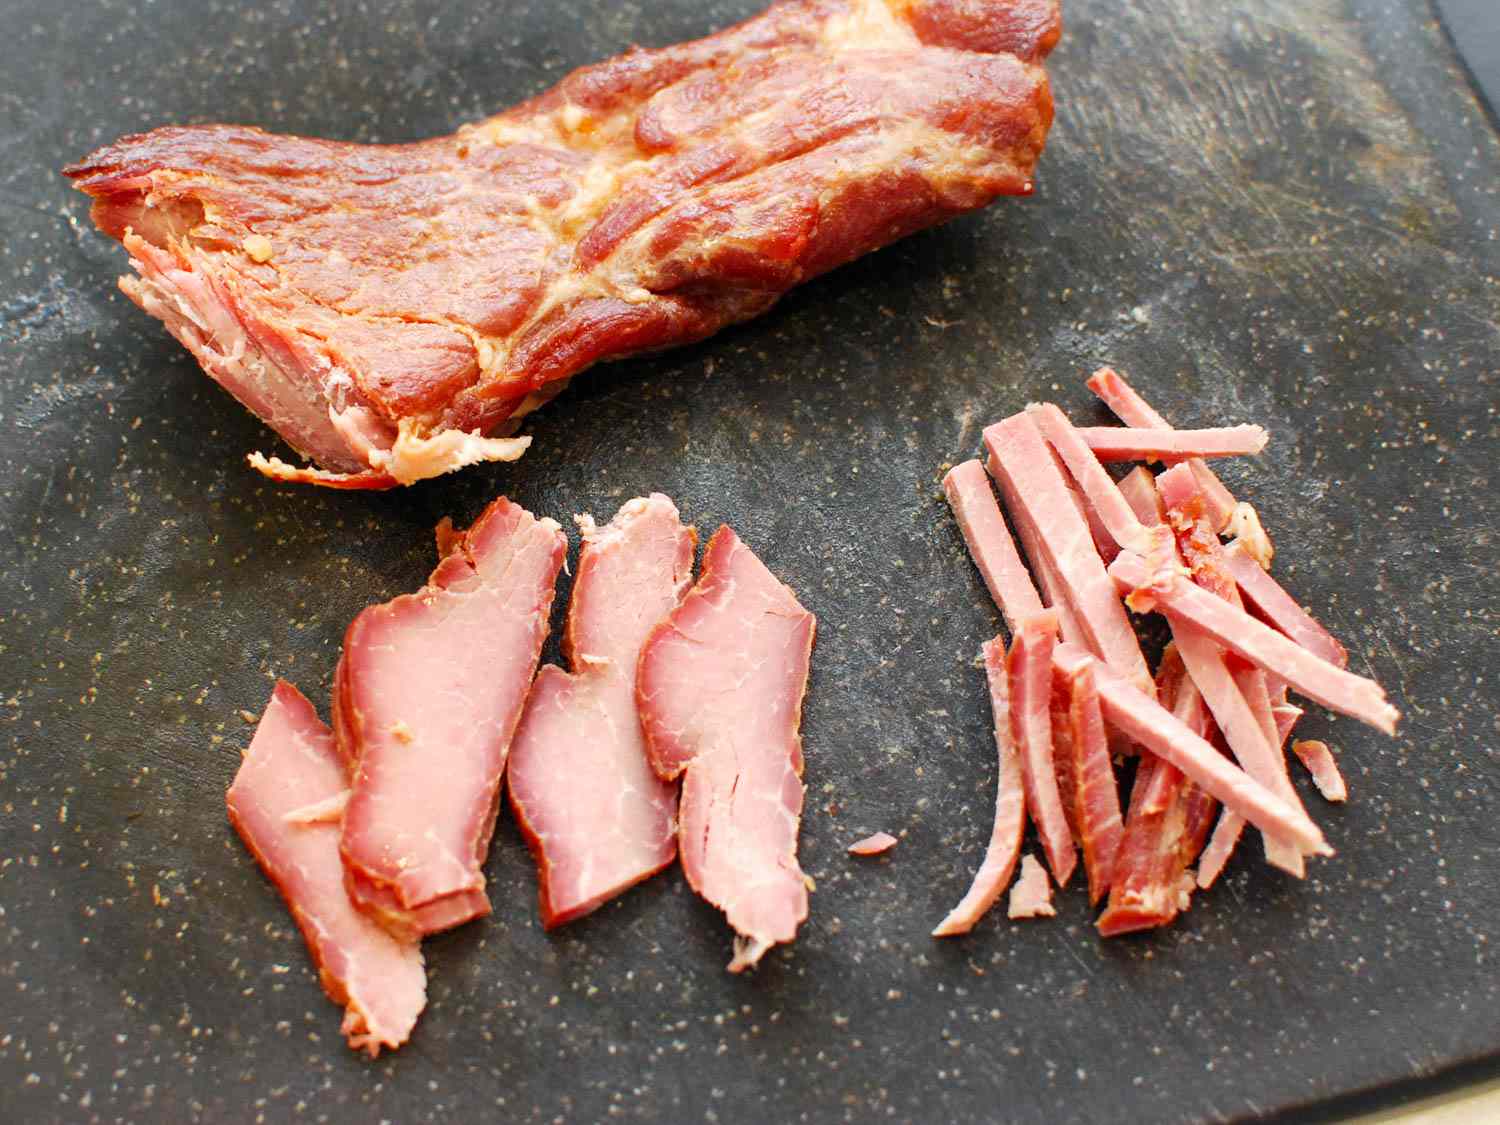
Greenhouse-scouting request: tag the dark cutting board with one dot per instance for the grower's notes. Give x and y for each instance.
(1279, 211)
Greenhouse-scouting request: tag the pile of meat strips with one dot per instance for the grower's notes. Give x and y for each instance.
(376, 830)
(1074, 691)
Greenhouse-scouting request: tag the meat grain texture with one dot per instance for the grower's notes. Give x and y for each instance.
(597, 818)
(386, 307)
(720, 688)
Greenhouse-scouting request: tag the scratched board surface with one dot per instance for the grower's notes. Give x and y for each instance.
(1280, 211)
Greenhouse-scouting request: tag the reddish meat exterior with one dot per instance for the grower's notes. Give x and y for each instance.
(426, 699)
(878, 844)
(292, 764)
(719, 688)
(596, 816)
(385, 306)
(1096, 793)
(1004, 847)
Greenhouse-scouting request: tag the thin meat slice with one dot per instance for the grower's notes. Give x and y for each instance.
(427, 695)
(1139, 716)
(1124, 443)
(719, 688)
(596, 817)
(1279, 608)
(877, 844)
(1029, 667)
(1097, 795)
(990, 545)
(1036, 493)
(386, 307)
(1254, 641)
(1112, 389)
(1031, 897)
(292, 765)
(1325, 771)
(1010, 808)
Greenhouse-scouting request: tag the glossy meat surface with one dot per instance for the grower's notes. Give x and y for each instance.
(384, 307)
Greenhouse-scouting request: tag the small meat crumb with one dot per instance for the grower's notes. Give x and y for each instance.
(258, 246)
(1031, 897)
(873, 845)
(1245, 526)
(400, 731)
(1319, 760)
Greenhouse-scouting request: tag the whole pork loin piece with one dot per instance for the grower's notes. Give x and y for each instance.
(385, 308)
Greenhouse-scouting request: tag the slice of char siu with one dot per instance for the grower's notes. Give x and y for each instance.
(293, 766)
(426, 699)
(1004, 847)
(596, 816)
(720, 686)
(393, 310)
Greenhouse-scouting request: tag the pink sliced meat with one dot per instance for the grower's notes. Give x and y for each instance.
(1325, 771)
(1029, 666)
(1279, 608)
(1124, 443)
(1140, 717)
(1097, 794)
(877, 844)
(1168, 820)
(1036, 493)
(719, 689)
(1238, 698)
(1139, 489)
(596, 816)
(990, 545)
(427, 695)
(1010, 809)
(1099, 488)
(1112, 389)
(1254, 641)
(1031, 897)
(292, 766)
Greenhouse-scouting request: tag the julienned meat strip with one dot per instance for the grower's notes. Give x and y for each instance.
(719, 688)
(990, 545)
(1096, 793)
(1010, 807)
(1036, 494)
(1168, 819)
(1102, 494)
(1325, 771)
(426, 698)
(385, 306)
(293, 766)
(1279, 608)
(1237, 697)
(1254, 641)
(1029, 666)
(1112, 389)
(1117, 443)
(597, 818)
(1139, 716)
